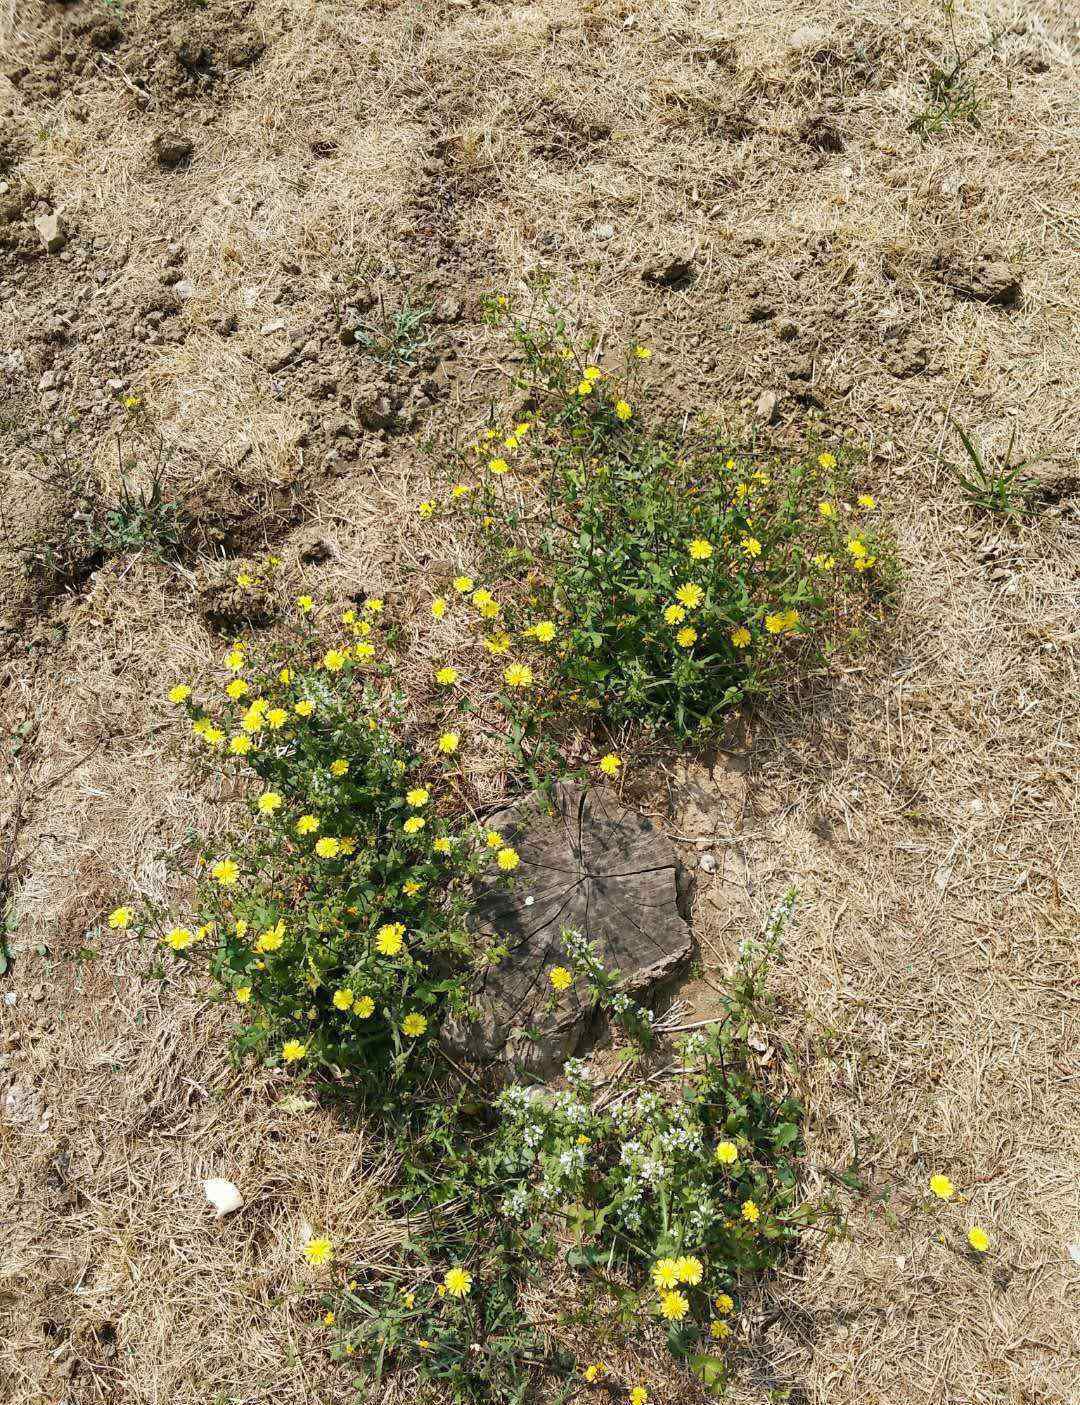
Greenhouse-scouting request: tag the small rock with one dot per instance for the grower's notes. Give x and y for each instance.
(172, 150)
(223, 1195)
(707, 863)
(51, 232)
(766, 407)
(269, 328)
(603, 231)
(184, 289)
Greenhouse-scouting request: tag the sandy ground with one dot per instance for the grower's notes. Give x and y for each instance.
(923, 799)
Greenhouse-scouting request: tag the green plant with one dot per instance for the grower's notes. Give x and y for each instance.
(400, 336)
(952, 96)
(665, 573)
(141, 518)
(1001, 489)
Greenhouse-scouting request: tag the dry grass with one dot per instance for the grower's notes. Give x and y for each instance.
(924, 802)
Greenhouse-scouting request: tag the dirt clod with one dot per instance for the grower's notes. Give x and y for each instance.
(172, 150)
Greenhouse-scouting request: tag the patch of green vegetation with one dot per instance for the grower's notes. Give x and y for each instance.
(998, 488)
(399, 336)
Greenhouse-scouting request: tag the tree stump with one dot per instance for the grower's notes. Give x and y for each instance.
(588, 864)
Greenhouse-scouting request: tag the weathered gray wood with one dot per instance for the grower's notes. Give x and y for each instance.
(589, 864)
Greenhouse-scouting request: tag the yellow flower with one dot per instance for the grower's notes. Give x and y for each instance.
(699, 549)
(304, 603)
(482, 597)
(340, 767)
(507, 859)
(622, 410)
(584, 387)
(497, 643)
(327, 848)
(374, 605)
(343, 999)
(689, 595)
(827, 460)
(719, 1330)
(438, 607)
(674, 1307)
(750, 1212)
(727, 1153)
(318, 1252)
(448, 743)
(458, 1282)
(864, 563)
(364, 1008)
(856, 547)
(826, 509)
(329, 1320)
(740, 637)
(413, 1025)
(417, 797)
(544, 631)
(665, 1274)
(942, 1187)
(783, 622)
(426, 509)
(446, 676)
(865, 500)
(459, 490)
(180, 693)
(390, 937)
(518, 675)
(293, 1050)
(723, 1302)
(411, 887)
(751, 546)
(304, 708)
(333, 660)
(243, 580)
(225, 872)
(610, 764)
(236, 689)
(690, 1270)
(560, 978)
(642, 353)
(179, 938)
(824, 562)
(307, 824)
(494, 839)
(674, 614)
(268, 802)
(240, 745)
(414, 824)
(686, 637)
(978, 1239)
(243, 994)
(639, 1395)
(441, 846)
(463, 584)
(595, 1371)
(364, 651)
(490, 610)
(271, 939)
(499, 466)
(119, 918)
(277, 717)
(592, 373)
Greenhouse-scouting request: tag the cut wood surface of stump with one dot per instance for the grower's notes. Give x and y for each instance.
(590, 865)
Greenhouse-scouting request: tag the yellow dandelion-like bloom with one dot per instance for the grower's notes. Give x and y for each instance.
(293, 1050)
(458, 1282)
(723, 1302)
(727, 1153)
(610, 764)
(740, 637)
(544, 631)
(438, 607)
(827, 460)
(686, 637)
(236, 689)
(518, 675)
(978, 1239)
(442, 846)
(751, 546)
(459, 490)
(225, 872)
(700, 549)
(364, 1008)
(823, 561)
(674, 1307)
(304, 603)
(447, 675)
(499, 466)
(865, 500)
(417, 797)
(180, 938)
(120, 918)
(463, 584)
(864, 563)
(585, 387)
(560, 978)
(413, 1025)
(242, 994)
(623, 411)
(390, 938)
(339, 768)
(690, 1270)
(593, 373)
(268, 802)
(318, 1252)
(665, 1274)
(690, 595)
(750, 1212)
(674, 614)
(639, 1395)
(507, 859)
(277, 717)
(642, 353)
(234, 660)
(497, 643)
(240, 745)
(595, 1371)
(942, 1187)
(304, 708)
(414, 824)
(448, 743)
(856, 547)
(180, 693)
(343, 999)
(333, 660)
(827, 509)
(327, 847)
(719, 1330)
(426, 510)
(494, 839)
(307, 824)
